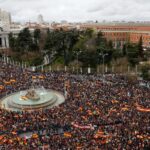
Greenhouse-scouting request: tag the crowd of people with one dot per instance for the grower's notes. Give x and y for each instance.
(111, 113)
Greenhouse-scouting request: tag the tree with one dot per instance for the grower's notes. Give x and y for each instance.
(124, 50)
(99, 38)
(89, 32)
(110, 44)
(24, 41)
(36, 35)
(146, 72)
(102, 44)
(62, 42)
(68, 40)
(49, 40)
(117, 53)
(12, 41)
(132, 54)
(140, 47)
(88, 58)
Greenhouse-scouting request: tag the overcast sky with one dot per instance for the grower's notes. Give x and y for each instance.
(78, 10)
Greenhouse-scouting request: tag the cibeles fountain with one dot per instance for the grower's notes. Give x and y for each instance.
(32, 99)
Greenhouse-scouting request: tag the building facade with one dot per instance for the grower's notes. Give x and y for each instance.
(5, 20)
(120, 34)
(5, 23)
(4, 39)
(40, 19)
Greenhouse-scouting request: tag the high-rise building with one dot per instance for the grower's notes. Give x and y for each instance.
(40, 19)
(5, 20)
(5, 23)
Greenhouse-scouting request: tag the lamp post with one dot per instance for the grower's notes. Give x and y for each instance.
(99, 56)
(77, 53)
(51, 57)
(103, 56)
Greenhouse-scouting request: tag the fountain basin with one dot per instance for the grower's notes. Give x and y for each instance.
(47, 99)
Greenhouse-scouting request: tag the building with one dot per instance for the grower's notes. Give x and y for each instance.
(5, 20)
(40, 19)
(4, 39)
(122, 33)
(5, 23)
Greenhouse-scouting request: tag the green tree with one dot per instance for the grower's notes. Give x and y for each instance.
(140, 47)
(146, 72)
(100, 39)
(62, 42)
(117, 53)
(24, 41)
(89, 32)
(12, 42)
(132, 54)
(88, 58)
(49, 40)
(124, 50)
(110, 44)
(36, 35)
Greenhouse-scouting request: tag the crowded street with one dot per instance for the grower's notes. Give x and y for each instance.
(99, 113)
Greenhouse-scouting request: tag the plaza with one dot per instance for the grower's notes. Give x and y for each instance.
(90, 111)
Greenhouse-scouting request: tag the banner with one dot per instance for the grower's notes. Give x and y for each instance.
(82, 127)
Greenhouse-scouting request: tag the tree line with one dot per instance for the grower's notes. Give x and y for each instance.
(67, 44)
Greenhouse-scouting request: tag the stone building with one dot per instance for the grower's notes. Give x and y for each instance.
(4, 39)
(5, 23)
(5, 20)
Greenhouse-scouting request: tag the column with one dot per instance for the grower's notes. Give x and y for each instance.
(106, 69)
(0, 41)
(136, 69)
(57, 68)
(65, 68)
(50, 68)
(3, 42)
(73, 69)
(7, 42)
(121, 44)
(89, 70)
(81, 70)
(128, 69)
(113, 68)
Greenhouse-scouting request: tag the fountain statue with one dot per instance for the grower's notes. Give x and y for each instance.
(32, 99)
(32, 95)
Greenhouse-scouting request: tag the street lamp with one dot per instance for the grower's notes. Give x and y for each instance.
(103, 56)
(77, 53)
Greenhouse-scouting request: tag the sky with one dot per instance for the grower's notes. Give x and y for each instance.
(78, 10)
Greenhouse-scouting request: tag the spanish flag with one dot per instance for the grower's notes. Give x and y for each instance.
(12, 80)
(99, 134)
(14, 132)
(67, 134)
(80, 109)
(1, 137)
(41, 77)
(79, 147)
(114, 101)
(1, 87)
(104, 141)
(7, 82)
(33, 77)
(124, 109)
(35, 136)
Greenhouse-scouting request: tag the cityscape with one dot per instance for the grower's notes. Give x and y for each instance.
(75, 75)
(118, 31)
